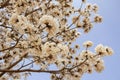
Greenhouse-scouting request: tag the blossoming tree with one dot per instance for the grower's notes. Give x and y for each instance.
(35, 34)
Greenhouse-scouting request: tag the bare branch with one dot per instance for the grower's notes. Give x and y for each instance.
(26, 14)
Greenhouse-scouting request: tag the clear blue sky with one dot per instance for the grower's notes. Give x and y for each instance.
(106, 33)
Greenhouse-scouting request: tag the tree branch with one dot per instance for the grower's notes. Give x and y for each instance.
(31, 70)
(27, 64)
(79, 64)
(4, 4)
(6, 26)
(48, 71)
(11, 66)
(77, 16)
(26, 14)
(12, 46)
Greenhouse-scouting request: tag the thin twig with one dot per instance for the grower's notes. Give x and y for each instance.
(26, 14)
(6, 26)
(12, 65)
(79, 64)
(4, 4)
(12, 46)
(77, 16)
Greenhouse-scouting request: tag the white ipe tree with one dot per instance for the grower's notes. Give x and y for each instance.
(40, 33)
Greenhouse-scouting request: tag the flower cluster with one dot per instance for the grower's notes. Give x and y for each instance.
(40, 33)
(50, 23)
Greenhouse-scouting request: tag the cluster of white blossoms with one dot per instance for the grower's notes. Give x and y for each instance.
(41, 33)
(88, 44)
(50, 23)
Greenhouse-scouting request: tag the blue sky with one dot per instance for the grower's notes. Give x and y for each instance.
(106, 33)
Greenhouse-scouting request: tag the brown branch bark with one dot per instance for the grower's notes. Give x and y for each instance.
(26, 14)
(48, 71)
(12, 65)
(79, 64)
(12, 46)
(2, 25)
(32, 70)
(4, 4)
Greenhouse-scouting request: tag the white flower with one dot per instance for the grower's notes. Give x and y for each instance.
(61, 63)
(77, 46)
(75, 19)
(86, 54)
(51, 58)
(79, 24)
(50, 23)
(49, 48)
(19, 22)
(100, 50)
(14, 20)
(99, 66)
(35, 52)
(76, 76)
(89, 6)
(24, 44)
(95, 8)
(88, 44)
(98, 19)
(63, 48)
(109, 50)
(55, 12)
